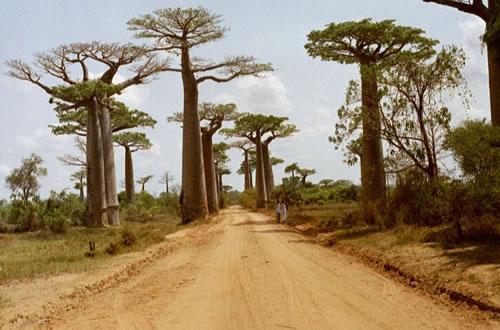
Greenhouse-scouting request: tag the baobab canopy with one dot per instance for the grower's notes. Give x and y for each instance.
(367, 41)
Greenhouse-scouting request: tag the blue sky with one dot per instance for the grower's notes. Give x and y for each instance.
(306, 90)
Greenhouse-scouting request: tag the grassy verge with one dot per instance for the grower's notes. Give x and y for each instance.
(31, 255)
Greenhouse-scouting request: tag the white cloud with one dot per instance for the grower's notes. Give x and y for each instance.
(472, 30)
(267, 95)
(27, 142)
(134, 96)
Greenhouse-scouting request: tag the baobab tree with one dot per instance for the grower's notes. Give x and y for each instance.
(220, 160)
(142, 181)
(415, 119)
(489, 12)
(254, 127)
(326, 183)
(131, 142)
(212, 116)
(74, 122)
(292, 168)
(93, 95)
(245, 146)
(372, 46)
(166, 179)
(304, 174)
(178, 31)
(278, 128)
(79, 178)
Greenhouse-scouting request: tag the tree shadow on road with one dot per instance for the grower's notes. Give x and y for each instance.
(252, 222)
(272, 231)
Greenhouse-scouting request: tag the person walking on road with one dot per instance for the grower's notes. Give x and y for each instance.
(284, 212)
(278, 210)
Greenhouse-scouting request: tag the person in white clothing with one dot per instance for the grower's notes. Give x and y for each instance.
(284, 212)
(278, 210)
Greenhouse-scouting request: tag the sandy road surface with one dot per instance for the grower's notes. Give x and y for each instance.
(247, 273)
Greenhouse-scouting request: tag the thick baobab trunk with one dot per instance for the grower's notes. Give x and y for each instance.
(194, 203)
(112, 205)
(247, 172)
(260, 181)
(209, 168)
(372, 164)
(494, 80)
(95, 169)
(268, 170)
(129, 177)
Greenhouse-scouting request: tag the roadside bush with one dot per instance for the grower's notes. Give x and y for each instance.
(248, 199)
(57, 224)
(112, 248)
(63, 205)
(417, 202)
(128, 237)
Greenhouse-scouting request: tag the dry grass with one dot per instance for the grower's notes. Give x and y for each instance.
(30, 255)
(329, 216)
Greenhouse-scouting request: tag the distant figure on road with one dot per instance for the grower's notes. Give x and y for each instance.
(278, 210)
(284, 212)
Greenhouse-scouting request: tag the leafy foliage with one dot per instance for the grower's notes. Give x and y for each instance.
(23, 181)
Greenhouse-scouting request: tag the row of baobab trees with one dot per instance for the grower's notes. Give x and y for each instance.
(87, 102)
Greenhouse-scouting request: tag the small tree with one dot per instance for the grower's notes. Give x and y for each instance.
(142, 181)
(245, 146)
(177, 30)
(326, 183)
(305, 173)
(131, 142)
(166, 179)
(79, 177)
(292, 168)
(23, 181)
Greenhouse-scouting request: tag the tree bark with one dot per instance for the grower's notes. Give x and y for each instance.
(372, 164)
(129, 177)
(431, 166)
(268, 170)
(250, 176)
(194, 204)
(112, 209)
(246, 169)
(494, 81)
(82, 195)
(95, 169)
(260, 181)
(221, 189)
(210, 175)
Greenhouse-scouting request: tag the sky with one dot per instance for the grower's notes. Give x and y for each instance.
(306, 90)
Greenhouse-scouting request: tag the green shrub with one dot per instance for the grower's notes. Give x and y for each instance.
(57, 224)
(248, 199)
(416, 201)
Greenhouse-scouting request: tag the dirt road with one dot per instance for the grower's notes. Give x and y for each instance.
(244, 272)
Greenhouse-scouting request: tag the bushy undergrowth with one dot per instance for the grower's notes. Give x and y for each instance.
(147, 207)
